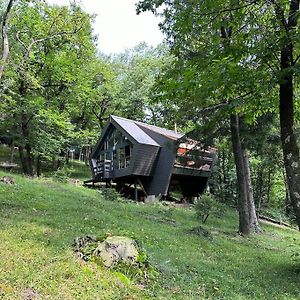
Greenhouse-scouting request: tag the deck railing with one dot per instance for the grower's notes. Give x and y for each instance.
(103, 169)
(194, 162)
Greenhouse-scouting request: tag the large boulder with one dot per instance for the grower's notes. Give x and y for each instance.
(117, 249)
(120, 254)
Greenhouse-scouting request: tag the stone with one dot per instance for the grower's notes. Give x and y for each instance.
(116, 249)
(8, 180)
(151, 199)
(30, 294)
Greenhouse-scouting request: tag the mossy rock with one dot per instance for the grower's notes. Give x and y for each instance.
(117, 249)
(118, 253)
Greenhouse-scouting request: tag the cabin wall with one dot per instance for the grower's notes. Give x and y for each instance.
(144, 159)
(190, 172)
(163, 170)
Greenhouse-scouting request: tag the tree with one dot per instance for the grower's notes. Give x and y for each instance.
(51, 45)
(4, 34)
(197, 51)
(136, 71)
(265, 43)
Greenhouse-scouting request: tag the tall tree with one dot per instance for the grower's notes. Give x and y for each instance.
(137, 70)
(51, 45)
(265, 45)
(4, 34)
(287, 17)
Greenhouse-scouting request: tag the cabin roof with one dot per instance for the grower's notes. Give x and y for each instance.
(136, 130)
(162, 131)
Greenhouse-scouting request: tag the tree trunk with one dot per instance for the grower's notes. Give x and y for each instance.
(26, 160)
(288, 137)
(253, 220)
(259, 187)
(80, 153)
(287, 195)
(5, 42)
(38, 166)
(67, 157)
(12, 152)
(23, 160)
(269, 185)
(29, 160)
(244, 224)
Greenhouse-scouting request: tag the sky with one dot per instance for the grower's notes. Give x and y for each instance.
(117, 25)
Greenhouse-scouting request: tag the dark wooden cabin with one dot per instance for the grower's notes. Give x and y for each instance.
(131, 152)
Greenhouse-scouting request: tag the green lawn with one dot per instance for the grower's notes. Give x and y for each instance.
(40, 218)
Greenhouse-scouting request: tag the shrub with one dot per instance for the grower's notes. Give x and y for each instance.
(62, 174)
(110, 194)
(206, 205)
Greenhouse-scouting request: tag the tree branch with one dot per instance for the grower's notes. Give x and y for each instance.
(230, 9)
(5, 42)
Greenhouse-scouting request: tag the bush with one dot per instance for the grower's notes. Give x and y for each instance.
(205, 206)
(62, 174)
(110, 194)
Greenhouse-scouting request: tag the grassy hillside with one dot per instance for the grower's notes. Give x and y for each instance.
(39, 219)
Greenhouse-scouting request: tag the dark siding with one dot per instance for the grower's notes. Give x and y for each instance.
(163, 170)
(190, 172)
(162, 173)
(145, 157)
(122, 172)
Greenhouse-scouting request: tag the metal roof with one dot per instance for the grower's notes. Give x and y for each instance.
(163, 131)
(134, 131)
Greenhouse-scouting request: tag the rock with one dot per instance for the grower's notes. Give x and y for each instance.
(74, 181)
(30, 294)
(8, 180)
(120, 254)
(117, 249)
(80, 245)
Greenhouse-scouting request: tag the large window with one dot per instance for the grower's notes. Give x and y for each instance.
(124, 156)
(127, 150)
(121, 158)
(116, 149)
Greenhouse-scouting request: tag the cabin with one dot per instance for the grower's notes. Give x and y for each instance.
(155, 159)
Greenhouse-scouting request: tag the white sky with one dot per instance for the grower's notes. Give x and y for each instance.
(117, 25)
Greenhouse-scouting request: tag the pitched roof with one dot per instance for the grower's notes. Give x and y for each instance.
(136, 130)
(163, 131)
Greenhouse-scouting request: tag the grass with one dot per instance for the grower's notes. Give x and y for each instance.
(40, 218)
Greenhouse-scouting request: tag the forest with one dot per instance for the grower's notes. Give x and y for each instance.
(228, 81)
(228, 73)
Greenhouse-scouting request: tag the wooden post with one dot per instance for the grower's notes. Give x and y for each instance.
(142, 187)
(135, 190)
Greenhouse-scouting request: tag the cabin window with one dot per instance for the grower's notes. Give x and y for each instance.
(108, 156)
(118, 136)
(127, 155)
(124, 156)
(111, 141)
(106, 145)
(121, 158)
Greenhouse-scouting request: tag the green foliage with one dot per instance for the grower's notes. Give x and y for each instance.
(137, 70)
(62, 174)
(110, 194)
(205, 206)
(140, 271)
(46, 91)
